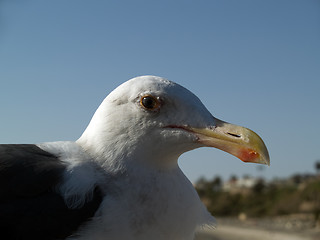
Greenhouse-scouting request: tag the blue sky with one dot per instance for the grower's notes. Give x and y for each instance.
(253, 63)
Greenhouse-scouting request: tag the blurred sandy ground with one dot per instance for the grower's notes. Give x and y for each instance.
(258, 230)
(237, 233)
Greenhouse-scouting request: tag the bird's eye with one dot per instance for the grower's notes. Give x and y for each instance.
(150, 102)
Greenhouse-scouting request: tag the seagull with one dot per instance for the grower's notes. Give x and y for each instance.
(120, 179)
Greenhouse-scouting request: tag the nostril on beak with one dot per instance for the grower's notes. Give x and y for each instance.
(234, 135)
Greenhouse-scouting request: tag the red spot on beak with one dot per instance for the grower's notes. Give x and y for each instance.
(248, 155)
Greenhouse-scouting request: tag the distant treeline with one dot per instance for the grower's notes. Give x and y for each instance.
(294, 195)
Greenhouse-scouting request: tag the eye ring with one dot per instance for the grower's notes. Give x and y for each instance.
(150, 102)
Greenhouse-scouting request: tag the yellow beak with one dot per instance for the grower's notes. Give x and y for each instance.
(238, 141)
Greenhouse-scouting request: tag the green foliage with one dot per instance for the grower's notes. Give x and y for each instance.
(273, 199)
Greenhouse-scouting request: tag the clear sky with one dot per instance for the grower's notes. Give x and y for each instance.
(253, 63)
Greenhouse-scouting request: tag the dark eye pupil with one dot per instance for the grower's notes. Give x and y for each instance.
(149, 102)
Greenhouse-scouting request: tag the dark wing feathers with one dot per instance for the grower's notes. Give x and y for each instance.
(26, 171)
(29, 206)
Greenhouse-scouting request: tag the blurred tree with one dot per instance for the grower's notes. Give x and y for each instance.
(233, 178)
(217, 184)
(259, 186)
(312, 193)
(297, 179)
(317, 167)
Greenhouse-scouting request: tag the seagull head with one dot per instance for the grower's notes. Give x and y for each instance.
(152, 120)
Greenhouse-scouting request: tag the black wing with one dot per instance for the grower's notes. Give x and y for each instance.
(29, 206)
